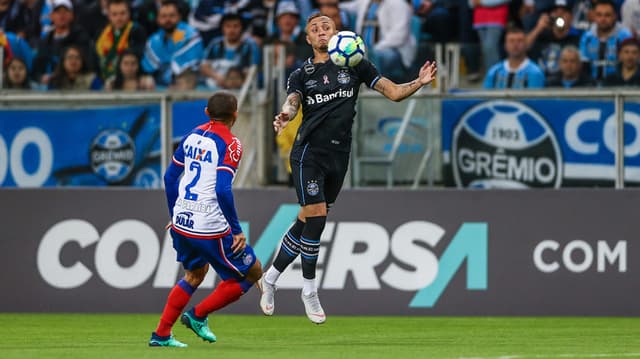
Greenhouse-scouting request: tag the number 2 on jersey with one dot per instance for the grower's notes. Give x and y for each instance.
(195, 166)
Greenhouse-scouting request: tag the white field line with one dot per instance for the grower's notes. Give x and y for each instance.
(545, 356)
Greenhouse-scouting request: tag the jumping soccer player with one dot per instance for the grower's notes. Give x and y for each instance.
(320, 154)
(204, 225)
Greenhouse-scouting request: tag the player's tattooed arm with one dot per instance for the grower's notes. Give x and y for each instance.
(398, 92)
(291, 105)
(289, 111)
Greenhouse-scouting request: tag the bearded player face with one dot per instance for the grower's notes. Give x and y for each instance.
(319, 31)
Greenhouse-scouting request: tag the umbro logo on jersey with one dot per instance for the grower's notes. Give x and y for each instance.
(198, 154)
(311, 84)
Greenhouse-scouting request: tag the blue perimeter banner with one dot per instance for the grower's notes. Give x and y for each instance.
(97, 146)
(536, 143)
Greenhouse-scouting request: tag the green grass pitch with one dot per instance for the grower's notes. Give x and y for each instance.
(122, 336)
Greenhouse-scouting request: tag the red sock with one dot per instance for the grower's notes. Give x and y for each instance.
(177, 300)
(225, 293)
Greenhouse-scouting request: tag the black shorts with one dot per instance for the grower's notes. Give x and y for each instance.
(317, 173)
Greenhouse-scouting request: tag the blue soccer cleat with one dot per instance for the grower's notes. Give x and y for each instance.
(170, 341)
(199, 326)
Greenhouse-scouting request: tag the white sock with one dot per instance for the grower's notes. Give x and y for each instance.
(272, 275)
(309, 286)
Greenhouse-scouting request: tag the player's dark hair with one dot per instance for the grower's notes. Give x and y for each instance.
(631, 41)
(173, 3)
(604, 2)
(316, 15)
(231, 17)
(222, 106)
(126, 2)
(119, 80)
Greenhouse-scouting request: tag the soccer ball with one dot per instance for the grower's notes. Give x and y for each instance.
(346, 49)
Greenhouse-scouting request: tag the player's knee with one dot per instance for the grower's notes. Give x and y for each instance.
(314, 210)
(196, 276)
(314, 226)
(255, 272)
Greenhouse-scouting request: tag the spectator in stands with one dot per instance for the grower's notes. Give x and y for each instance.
(627, 72)
(270, 7)
(92, 16)
(469, 41)
(630, 15)
(14, 46)
(146, 13)
(582, 14)
(207, 17)
(331, 9)
(174, 52)
(119, 35)
(16, 76)
(438, 18)
(231, 50)
(517, 71)
(73, 73)
(531, 10)
(552, 33)
(570, 70)
(490, 20)
(306, 8)
(598, 46)
(63, 34)
(33, 30)
(264, 16)
(385, 27)
(15, 17)
(235, 78)
(45, 10)
(289, 33)
(129, 75)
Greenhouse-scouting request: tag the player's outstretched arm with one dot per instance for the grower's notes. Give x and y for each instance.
(398, 92)
(289, 111)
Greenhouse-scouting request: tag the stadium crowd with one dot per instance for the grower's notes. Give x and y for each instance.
(210, 44)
